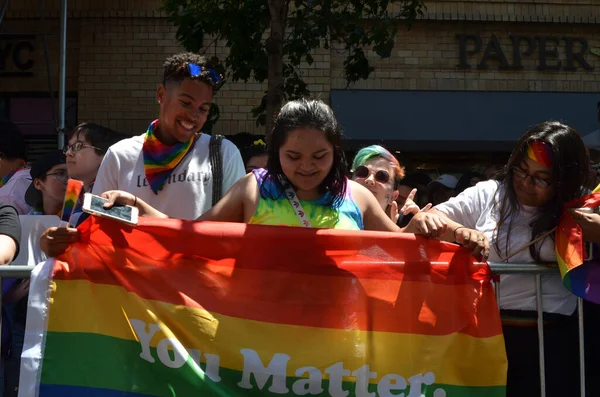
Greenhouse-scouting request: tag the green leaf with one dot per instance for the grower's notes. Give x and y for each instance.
(243, 26)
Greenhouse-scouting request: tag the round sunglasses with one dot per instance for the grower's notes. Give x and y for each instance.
(381, 176)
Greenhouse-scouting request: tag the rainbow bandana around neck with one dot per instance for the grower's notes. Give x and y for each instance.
(160, 159)
(7, 177)
(540, 152)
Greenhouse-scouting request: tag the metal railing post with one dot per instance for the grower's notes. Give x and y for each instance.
(497, 286)
(540, 327)
(538, 271)
(581, 347)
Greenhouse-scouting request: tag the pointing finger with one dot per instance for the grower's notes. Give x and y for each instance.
(412, 194)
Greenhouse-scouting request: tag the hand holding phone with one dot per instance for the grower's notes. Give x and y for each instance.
(95, 205)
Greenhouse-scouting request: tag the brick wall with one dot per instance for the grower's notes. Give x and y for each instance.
(426, 58)
(116, 49)
(120, 65)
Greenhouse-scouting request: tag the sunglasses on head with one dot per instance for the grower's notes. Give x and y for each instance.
(381, 176)
(217, 79)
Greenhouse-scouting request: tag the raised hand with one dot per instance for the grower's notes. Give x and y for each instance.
(410, 207)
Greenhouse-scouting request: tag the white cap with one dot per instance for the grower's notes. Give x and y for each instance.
(447, 180)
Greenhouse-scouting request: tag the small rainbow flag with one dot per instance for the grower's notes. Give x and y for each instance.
(579, 276)
(181, 308)
(74, 188)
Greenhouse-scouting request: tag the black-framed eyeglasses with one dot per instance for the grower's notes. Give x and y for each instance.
(59, 175)
(381, 176)
(217, 79)
(78, 146)
(520, 173)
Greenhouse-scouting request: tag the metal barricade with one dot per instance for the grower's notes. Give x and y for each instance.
(538, 271)
(14, 271)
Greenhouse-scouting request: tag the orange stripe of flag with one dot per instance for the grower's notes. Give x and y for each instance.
(310, 300)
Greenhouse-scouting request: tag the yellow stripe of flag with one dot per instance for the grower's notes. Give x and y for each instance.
(105, 309)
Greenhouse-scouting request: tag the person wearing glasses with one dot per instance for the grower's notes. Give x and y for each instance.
(375, 168)
(86, 147)
(169, 166)
(517, 213)
(46, 191)
(45, 195)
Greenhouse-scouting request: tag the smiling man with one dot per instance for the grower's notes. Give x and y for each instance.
(169, 166)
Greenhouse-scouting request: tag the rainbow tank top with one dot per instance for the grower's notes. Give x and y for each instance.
(279, 212)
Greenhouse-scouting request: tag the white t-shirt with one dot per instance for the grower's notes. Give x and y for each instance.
(474, 208)
(32, 228)
(187, 193)
(13, 193)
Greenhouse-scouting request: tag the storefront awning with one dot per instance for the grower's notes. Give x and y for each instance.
(456, 120)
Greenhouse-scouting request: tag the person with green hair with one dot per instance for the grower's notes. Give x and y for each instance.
(380, 172)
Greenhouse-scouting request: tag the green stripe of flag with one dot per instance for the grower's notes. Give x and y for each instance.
(100, 361)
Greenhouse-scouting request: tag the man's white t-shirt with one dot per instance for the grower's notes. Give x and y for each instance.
(187, 193)
(13, 192)
(474, 208)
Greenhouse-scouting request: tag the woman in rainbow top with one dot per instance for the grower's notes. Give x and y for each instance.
(304, 184)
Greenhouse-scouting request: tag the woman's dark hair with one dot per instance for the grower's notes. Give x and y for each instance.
(570, 178)
(98, 136)
(308, 113)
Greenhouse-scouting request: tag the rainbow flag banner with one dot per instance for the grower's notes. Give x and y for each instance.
(180, 308)
(580, 276)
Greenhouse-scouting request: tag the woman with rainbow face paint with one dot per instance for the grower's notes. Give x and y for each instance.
(549, 167)
(379, 171)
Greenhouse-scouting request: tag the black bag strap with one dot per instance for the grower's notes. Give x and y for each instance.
(216, 165)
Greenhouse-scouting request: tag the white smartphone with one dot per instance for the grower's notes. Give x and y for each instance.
(95, 205)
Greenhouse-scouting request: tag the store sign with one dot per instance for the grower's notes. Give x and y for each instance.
(551, 52)
(16, 55)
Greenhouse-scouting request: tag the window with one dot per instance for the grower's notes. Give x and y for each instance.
(33, 114)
